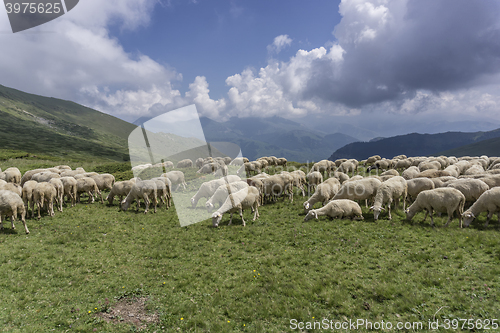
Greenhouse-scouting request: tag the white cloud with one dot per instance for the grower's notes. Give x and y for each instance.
(279, 43)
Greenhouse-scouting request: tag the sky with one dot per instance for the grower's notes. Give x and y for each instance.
(392, 65)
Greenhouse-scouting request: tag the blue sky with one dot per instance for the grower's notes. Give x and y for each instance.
(393, 66)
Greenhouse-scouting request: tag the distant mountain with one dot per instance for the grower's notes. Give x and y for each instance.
(43, 125)
(413, 144)
(275, 136)
(490, 147)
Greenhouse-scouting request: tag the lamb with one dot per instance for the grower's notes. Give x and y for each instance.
(11, 204)
(449, 200)
(410, 173)
(186, 163)
(364, 189)
(337, 209)
(45, 176)
(44, 192)
(417, 185)
(472, 189)
(222, 193)
(27, 195)
(243, 199)
(142, 189)
(70, 185)
(120, 189)
(314, 178)
(388, 192)
(208, 189)
(324, 193)
(58, 185)
(488, 201)
(89, 186)
(177, 178)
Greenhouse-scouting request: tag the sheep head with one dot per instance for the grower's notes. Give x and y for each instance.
(209, 207)
(376, 211)
(216, 218)
(310, 215)
(124, 204)
(468, 218)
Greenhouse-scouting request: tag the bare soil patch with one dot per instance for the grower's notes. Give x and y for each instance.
(130, 310)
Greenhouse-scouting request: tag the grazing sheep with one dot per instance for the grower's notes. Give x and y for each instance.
(432, 173)
(470, 188)
(207, 189)
(474, 170)
(120, 189)
(491, 180)
(281, 162)
(372, 159)
(277, 185)
(142, 189)
(237, 202)
(222, 171)
(87, 185)
(324, 167)
(429, 165)
(354, 178)
(238, 161)
(364, 189)
(70, 188)
(391, 172)
(410, 173)
(380, 165)
(11, 204)
(186, 163)
(72, 173)
(337, 209)
(402, 164)
(208, 168)
(348, 166)
(104, 181)
(58, 185)
(12, 187)
(339, 161)
(342, 177)
(177, 178)
(417, 185)
(388, 192)
(44, 193)
(249, 168)
(445, 199)
(223, 192)
(11, 175)
(63, 167)
(263, 163)
(27, 196)
(324, 193)
(45, 176)
(489, 202)
(299, 180)
(199, 162)
(168, 189)
(453, 170)
(257, 183)
(314, 178)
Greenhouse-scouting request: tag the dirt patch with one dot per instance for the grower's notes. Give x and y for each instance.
(130, 310)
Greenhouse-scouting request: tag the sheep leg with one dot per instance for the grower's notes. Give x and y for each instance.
(490, 215)
(389, 210)
(230, 219)
(241, 215)
(32, 208)
(51, 208)
(450, 217)
(432, 220)
(256, 213)
(24, 223)
(146, 202)
(12, 218)
(100, 194)
(425, 217)
(39, 204)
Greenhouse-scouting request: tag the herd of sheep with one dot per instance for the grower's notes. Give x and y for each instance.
(434, 184)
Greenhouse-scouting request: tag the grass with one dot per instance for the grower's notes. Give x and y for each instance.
(235, 279)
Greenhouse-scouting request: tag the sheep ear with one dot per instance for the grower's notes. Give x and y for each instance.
(371, 208)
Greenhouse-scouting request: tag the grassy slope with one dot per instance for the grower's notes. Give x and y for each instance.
(235, 279)
(72, 130)
(489, 147)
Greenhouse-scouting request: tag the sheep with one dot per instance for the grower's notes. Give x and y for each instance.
(324, 192)
(364, 189)
(238, 161)
(227, 160)
(120, 189)
(474, 169)
(432, 173)
(45, 176)
(44, 192)
(27, 195)
(429, 165)
(402, 164)
(348, 166)
(391, 172)
(324, 167)
(410, 173)
(337, 209)
(289, 181)
(354, 178)
(445, 199)
(470, 188)
(186, 163)
(11, 175)
(167, 190)
(245, 198)
(89, 186)
(299, 180)
(339, 161)
(177, 178)
(388, 192)
(342, 177)
(162, 192)
(58, 185)
(372, 159)
(222, 171)
(263, 163)
(12, 187)
(491, 180)
(417, 185)
(257, 183)
(249, 167)
(199, 162)
(72, 173)
(282, 162)
(313, 179)
(104, 181)
(207, 189)
(142, 189)
(453, 170)
(380, 165)
(276, 185)
(222, 193)
(63, 167)
(11, 204)
(488, 201)
(208, 168)
(70, 188)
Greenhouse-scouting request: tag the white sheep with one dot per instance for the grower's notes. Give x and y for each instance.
(11, 175)
(453, 170)
(12, 187)
(249, 168)
(207, 189)
(120, 189)
(70, 188)
(429, 165)
(222, 193)
(44, 193)
(489, 202)
(11, 205)
(474, 169)
(342, 177)
(388, 192)
(58, 185)
(89, 186)
(390, 172)
(177, 178)
(104, 181)
(324, 193)
(324, 167)
(337, 209)
(186, 163)
(299, 180)
(45, 176)
(364, 189)
(168, 189)
(314, 178)
(277, 185)
(27, 196)
(444, 199)
(472, 189)
(348, 166)
(237, 202)
(410, 172)
(237, 161)
(417, 185)
(142, 189)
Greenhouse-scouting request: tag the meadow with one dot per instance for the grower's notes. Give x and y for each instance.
(75, 268)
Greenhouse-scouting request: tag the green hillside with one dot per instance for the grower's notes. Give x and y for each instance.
(43, 125)
(489, 147)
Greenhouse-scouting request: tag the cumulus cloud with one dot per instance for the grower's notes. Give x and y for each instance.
(279, 43)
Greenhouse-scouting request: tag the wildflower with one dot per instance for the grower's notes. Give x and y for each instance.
(182, 318)
(90, 311)
(254, 270)
(228, 321)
